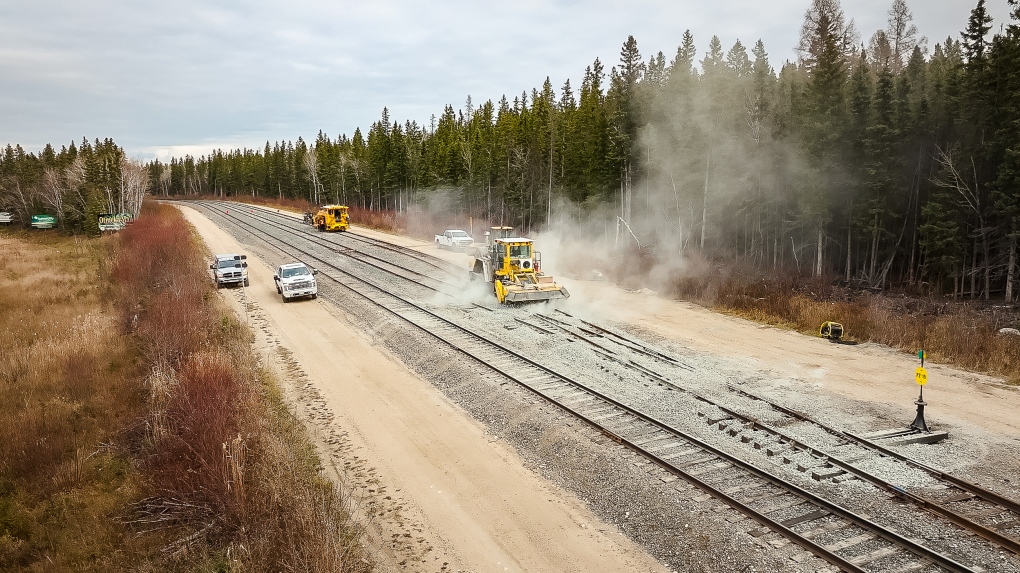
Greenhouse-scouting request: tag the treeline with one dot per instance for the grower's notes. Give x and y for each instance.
(75, 184)
(875, 162)
(871, 160)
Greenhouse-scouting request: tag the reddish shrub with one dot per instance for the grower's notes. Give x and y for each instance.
(203, 413)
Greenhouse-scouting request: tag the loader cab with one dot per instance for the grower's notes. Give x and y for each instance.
(495, 233)
(514, 255)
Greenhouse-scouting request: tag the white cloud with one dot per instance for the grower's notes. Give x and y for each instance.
(175, 76)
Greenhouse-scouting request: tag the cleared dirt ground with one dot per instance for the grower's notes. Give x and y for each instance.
(449, 497)
(443, 495)
(866, 372)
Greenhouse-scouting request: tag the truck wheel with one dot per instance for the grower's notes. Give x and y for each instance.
(315, 296)
(245, 282)
(284, 297)
(218, 285)
(278, 291)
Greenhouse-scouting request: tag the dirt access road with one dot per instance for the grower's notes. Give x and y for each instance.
(442, 494)
(492, 513)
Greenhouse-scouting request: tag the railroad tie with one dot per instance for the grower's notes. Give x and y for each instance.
(909, 567)
(742, 487)
(1007, 525)
(785, 505)
(873, 556)
(679, 454)
(840, 545)
(817, 514)
(823, 528)
(709, 468)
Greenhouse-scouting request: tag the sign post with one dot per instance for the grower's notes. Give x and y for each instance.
(921, 377)
(113, 221)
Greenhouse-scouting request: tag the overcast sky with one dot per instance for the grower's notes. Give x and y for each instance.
(177, 77)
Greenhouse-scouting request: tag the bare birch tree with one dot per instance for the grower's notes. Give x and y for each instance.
(134, 185)
(951, 177)
(311, 162)
(73, 178)
(52, 191)
(165, 179)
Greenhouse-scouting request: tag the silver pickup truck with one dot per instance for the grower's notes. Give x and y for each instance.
(6, 218)
(229, 270)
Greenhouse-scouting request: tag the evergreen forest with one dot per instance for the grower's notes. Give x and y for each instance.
(871, 159)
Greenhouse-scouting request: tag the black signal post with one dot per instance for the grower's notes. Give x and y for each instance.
(921, 376)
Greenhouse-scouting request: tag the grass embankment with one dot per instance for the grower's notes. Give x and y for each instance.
(950, 332)
(168, 449)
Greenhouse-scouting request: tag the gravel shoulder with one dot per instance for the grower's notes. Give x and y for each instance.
(437, 491)
(852, 387)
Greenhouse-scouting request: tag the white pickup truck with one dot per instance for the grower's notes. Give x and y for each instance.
(294, 280)
(6, 218)
(454, 239)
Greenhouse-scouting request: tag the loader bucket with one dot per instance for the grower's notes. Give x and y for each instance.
(534, 295)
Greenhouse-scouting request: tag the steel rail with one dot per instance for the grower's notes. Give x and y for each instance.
(935, 507)
(832, 507)
(969, 487)
(435, 262)
(309, 237)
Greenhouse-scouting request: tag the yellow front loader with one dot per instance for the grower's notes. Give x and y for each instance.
(514, 269)
(331, 218)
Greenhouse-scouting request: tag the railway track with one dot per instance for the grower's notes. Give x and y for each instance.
(994, 517)
(849, 541)
(340, 243)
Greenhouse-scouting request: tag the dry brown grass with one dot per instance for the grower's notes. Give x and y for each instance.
(234, 482)
(951, 332)
(69, 388)
(165, 450)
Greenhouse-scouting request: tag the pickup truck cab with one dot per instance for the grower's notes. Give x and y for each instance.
(229, 269)
(294, 280)
(454, 239)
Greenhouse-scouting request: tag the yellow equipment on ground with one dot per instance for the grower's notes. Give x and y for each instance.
(331, 218)
(831, 330)
(514, 269)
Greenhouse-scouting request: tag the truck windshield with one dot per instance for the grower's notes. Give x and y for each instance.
(520, 251)
(458, 234)
(295, 272)
(227, 264)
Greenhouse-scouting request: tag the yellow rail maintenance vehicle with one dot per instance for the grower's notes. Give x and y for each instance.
(331, 218)
(514, 268)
